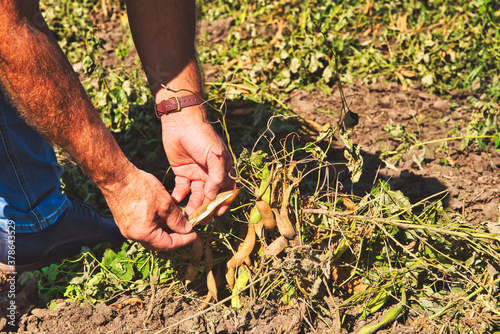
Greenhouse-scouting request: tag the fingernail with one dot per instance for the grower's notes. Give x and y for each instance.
(188, 227)
(211, 195)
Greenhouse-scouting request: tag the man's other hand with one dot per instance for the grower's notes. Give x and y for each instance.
(145, 212)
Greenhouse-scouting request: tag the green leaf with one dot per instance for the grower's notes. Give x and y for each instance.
(52, 305)
(375, 304)
(327, 90)
(144, 265)
(88, 65)
(109, 258)
(52, 274)
(257, 158)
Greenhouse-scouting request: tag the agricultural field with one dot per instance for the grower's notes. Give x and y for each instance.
(367, 131)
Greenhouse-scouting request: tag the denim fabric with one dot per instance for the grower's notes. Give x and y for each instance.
(29, 176)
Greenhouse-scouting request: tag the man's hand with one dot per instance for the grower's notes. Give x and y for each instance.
(144, 211)
(200, 161)
(164, 34)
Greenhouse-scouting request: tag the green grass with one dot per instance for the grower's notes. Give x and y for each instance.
(446, 44)
(375, 253)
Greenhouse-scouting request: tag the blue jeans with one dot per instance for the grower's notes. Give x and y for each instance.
(29, 176)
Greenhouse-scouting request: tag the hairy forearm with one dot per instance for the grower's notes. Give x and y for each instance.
(41, 83)
(164, 34)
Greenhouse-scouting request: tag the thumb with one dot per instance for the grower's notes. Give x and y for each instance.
(163, 241)
(175, 220)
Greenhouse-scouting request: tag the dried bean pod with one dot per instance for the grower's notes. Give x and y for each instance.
(284, 224)
(245, 248)
(209, 261)
(191, 273)
(276, 246)
(259, 229)
(295, 242)
(197, 254)
(206, 302)
(267, 214)
(197, 250)
(212, 284)
(231, 271)
(205, 213)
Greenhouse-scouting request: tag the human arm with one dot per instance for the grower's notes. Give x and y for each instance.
(38, 79)
(164, 34)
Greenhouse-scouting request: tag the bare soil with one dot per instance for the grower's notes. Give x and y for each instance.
(469, 177)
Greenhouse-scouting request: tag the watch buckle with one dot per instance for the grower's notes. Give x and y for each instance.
(178, 103)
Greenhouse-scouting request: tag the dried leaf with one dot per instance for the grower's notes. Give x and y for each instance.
(417, 29)
(231, 63)
(401, 22)
(341, 274)
(353, 155)
(351, 207)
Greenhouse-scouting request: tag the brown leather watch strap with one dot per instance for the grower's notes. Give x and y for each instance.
(175, 104)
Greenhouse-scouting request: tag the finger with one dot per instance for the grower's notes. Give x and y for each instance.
(217, 173)
(221, 210)
(181, 189)
(197, 196)
(173, 218)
